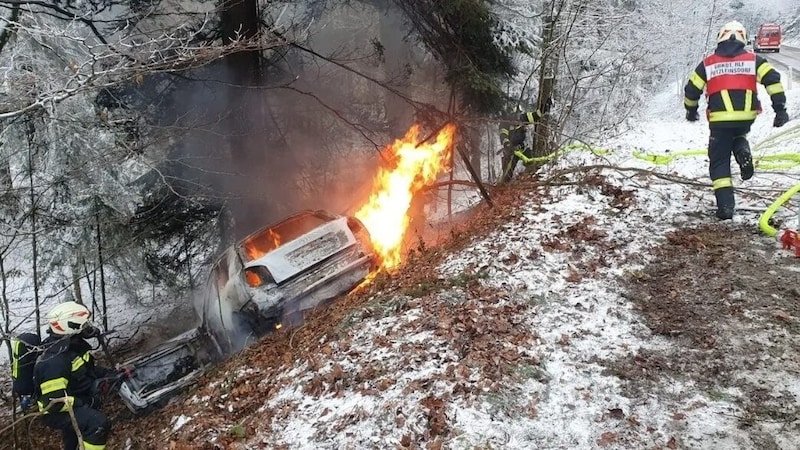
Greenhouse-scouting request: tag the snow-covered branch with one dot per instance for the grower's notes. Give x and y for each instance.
(68, 61)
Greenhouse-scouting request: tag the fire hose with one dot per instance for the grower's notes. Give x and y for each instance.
(789, 238)
(768, 162)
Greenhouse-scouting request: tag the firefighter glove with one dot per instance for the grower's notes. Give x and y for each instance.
(90, 332)
(26, 402)
(781, 117)
(125, 373)
(692, 116)
(104, 387)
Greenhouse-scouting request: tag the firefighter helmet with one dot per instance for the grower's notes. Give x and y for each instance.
(732, 31)
(69, 318)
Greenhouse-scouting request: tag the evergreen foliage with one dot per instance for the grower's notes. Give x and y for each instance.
(462, 34)
(174, 229)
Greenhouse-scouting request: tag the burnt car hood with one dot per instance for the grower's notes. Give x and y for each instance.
(167, 369)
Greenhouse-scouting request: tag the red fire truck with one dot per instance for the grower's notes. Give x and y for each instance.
(768, 38)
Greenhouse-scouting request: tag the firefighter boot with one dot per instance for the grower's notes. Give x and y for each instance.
(725, 203)
(741, 151)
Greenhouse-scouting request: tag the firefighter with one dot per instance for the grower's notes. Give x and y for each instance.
(729, 77)
(513, 137)
(66, 369)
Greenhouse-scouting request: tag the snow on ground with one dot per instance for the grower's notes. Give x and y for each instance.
(410, 379)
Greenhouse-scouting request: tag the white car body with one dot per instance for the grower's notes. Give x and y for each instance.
(263, 281)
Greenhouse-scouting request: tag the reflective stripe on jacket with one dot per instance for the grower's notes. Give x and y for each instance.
(513, 135)
(64, 369)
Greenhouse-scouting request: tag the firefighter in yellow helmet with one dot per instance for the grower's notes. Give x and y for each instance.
(66, 370)
(729, 77)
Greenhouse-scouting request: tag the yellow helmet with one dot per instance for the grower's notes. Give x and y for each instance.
(732, 30)
(69, 318)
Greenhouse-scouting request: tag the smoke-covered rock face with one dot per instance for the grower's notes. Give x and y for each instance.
(304, 128)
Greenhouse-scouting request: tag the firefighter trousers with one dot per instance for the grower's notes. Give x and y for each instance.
(720, 149)
(93, 424)
(510, 160)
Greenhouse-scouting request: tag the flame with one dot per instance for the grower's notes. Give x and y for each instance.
(260, 245)
(416, 165)
(252, 279)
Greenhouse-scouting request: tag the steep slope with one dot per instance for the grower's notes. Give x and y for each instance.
(598, 305)
(551, 325)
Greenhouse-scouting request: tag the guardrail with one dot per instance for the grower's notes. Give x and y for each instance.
(792, 72)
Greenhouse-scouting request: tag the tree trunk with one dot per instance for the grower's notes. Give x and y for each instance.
(472, 138)
(397, 61)
(100, 265)
(30, 132)
(542, 131)
(4, 299)
(8, 195)
(77, 294)
(239, 20)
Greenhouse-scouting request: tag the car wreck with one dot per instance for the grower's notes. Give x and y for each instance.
(266, 280)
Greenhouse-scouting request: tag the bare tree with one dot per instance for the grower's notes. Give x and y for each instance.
(62, 65)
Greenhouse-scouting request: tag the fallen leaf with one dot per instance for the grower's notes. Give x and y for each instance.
(574, 276)
(782, 316)
(607, 439)
(616, 413)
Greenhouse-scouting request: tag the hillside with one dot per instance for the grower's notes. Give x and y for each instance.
(598, 305)
(595, 302)
(583, 337)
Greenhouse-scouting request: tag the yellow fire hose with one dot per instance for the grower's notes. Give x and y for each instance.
(763, 222)
(789, 238)
(769, 162)
(666, 159)
(778, 161)
(567, 148)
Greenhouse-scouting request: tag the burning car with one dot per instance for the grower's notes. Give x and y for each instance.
(266, 280)
(272, 276)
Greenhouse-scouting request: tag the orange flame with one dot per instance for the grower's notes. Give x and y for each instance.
(260, 245)
(416, 164)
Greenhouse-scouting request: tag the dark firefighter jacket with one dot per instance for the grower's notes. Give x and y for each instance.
(513, 136)
(729, 77)
(65, 368)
